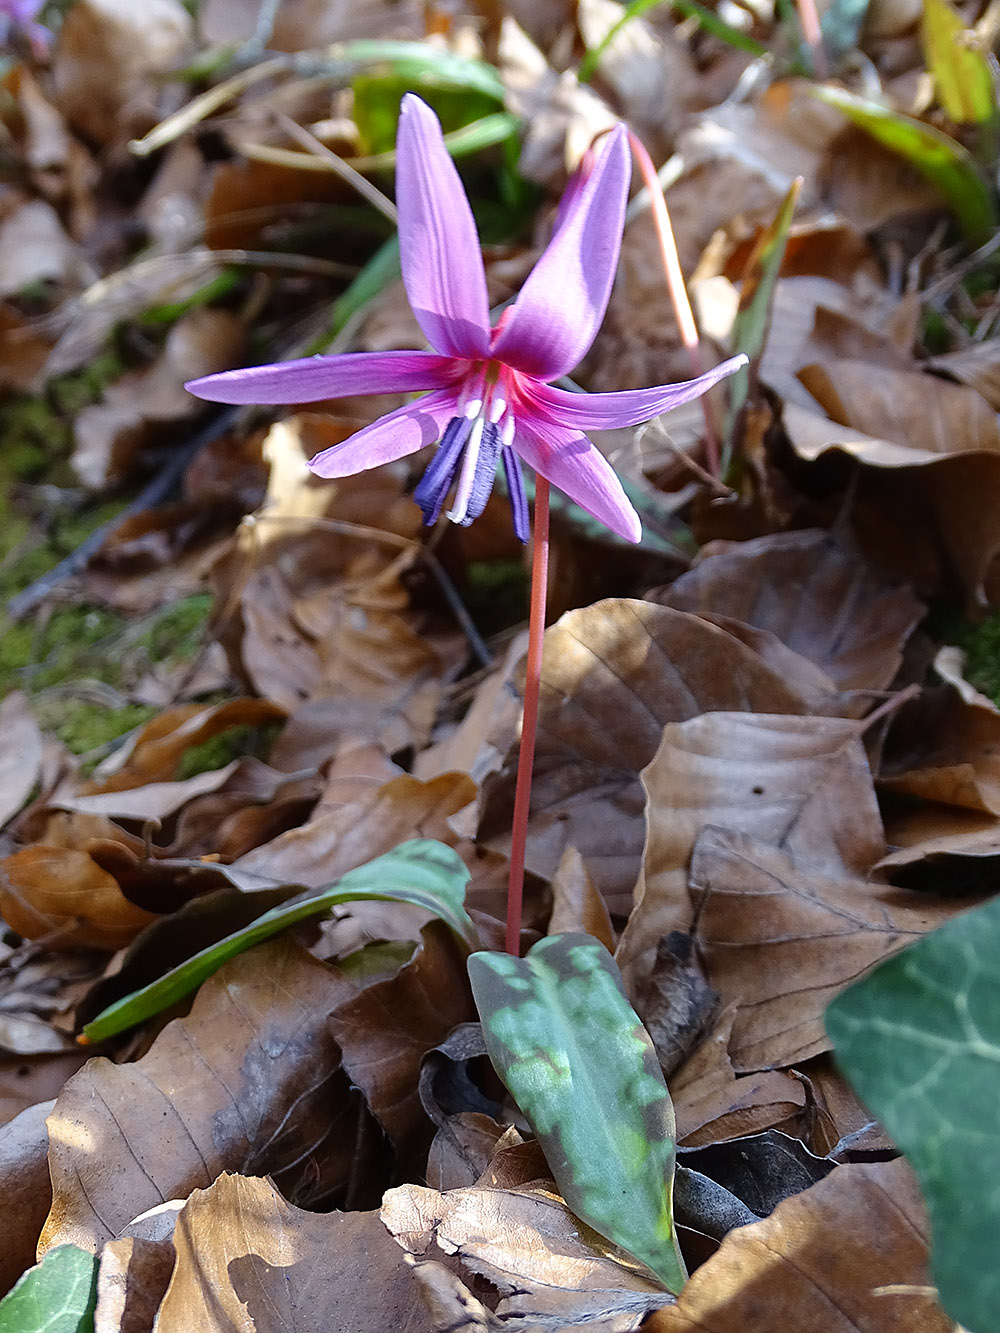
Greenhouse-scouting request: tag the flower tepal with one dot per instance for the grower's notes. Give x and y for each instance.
(487, 391)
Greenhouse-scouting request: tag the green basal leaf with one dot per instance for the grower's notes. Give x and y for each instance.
(960, 70)
(943, 161)
(425, 873)
(919, 1039)
(580, 1065)
(58, 1295)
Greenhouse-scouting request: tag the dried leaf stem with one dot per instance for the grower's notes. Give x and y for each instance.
(675, 285)
(529, 725)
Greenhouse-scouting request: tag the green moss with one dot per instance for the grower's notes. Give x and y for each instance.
(224, 748)
(982, 647)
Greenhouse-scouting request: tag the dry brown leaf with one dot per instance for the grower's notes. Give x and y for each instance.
(945, 749)
(712, 1105)
(576, 904)
(108, 435)
(526, 1243)
(24, 1185)
(21, 748)
(64, 893)
(131, 1282)
(35, 248)
(157, 750)
(613, 674)
(911, 408)
(977, 365)
(817, 595)
(378, 820)
(248, 1081)
(139, 44)
(779, 943)
(848, 1255)
(801, 784)
(385, 1031)
(250, 1262)
(929, 517)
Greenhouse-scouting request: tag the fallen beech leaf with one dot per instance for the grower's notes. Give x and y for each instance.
(35, 248)
(249, 1079)
(250, 1262)
(131, 1282)
(944, 749)
(802, 784)
(20, 754)
(911, 408)
(385, 1031)
(25, 1189)
(778, 943)
(65, 893)
(522, 1241)
(679, 1005)
(977, 365)
(140, 45)
(848, 1255)
(576, 904)
(816, 594)
(376, 822)
(712, 1105)
(158, 749)
(613, 674)
(929, 517)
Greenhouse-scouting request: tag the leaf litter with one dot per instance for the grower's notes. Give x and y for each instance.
(760, 767)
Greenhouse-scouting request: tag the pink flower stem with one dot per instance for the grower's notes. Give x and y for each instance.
(675, 285)
(529, 725)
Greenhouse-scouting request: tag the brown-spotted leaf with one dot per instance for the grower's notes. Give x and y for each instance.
(613, 675)
(848, 1255)
(797, 783)
(816, 594)
(250, 1262)
(247, 1081)
(778, 943)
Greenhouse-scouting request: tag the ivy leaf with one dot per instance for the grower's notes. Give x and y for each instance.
(580, 1065)
(919, 1038)
(58, 1295)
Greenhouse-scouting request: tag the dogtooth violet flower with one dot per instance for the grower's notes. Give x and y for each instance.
(487, 392)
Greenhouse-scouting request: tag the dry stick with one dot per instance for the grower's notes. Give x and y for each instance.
(529, 725)
(675, 285)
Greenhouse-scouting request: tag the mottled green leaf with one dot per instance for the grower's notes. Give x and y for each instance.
(580, 1065)
(943, 161)
(56, 1296)
(422, 872)
(960, 70)
(919, 1038)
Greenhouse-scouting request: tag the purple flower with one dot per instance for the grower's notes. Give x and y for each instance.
(21, 14)
(488, 393)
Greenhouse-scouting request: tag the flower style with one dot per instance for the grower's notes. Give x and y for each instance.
(488, 395)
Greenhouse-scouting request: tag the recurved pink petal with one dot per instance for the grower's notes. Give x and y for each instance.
(438, 243)
(607, 411)
(560, 307)
(313, 378)
(570, 461)
(400, 433)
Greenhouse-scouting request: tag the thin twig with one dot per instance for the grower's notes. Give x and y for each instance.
(337, 165)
